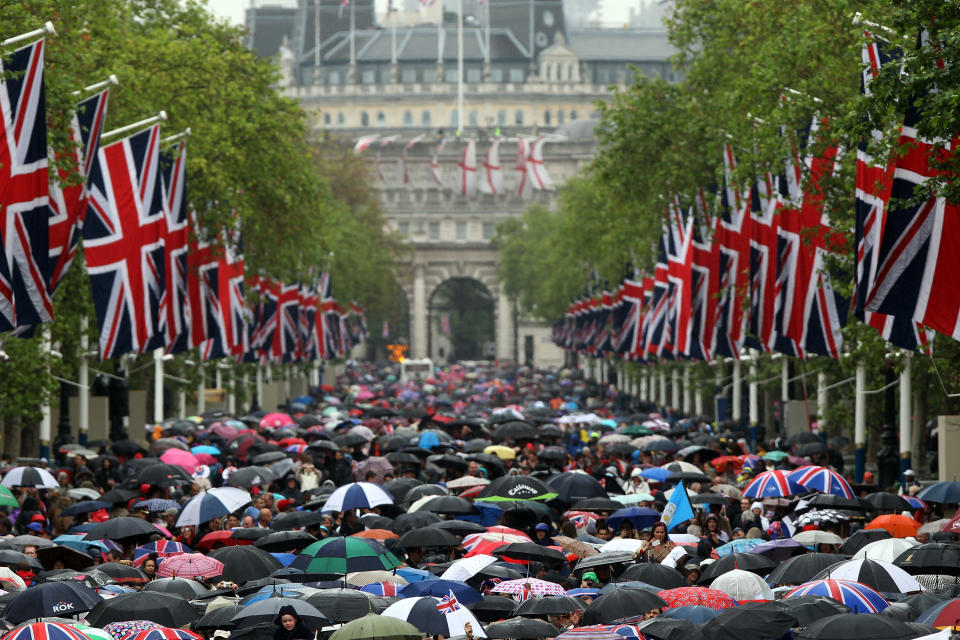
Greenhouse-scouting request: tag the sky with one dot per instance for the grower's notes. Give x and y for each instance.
(233, 10)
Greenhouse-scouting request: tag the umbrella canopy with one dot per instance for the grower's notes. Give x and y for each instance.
(809, 608)
(508, 488)
(697, 596)
(465, 568)
(190, 565)
(663, 628)
(572, 486)
(162, 608)
(268, 609)
(339, 556)
(529, 551)
(752, 562)
(211, 504)
(244, 563)
(944, 615)
(164, 475)
(493, 608)
(45, 631)
(435, 616)
(377, 627)
(859, 597)
(162, 549)
(441, 588)
(754, 620)
(883, 501)
(548, 605)
(800, 569)
(428, 537)
(448, 505)
(357, 495)
(948, 492)
(930, 558)
(183, 459)
(887, 550)
(877, 574)
(845, 626)
(773, 484)
(639, 517)
(655, 574)
(823, 480)
(521, 629)
(593, 632)
(341, 605)
(121, 528)
(120, 573)
(697, 613)
(29, 477)
(51, 599)
(183, 587)
(743, 585)
(409, 521)
(898, 525)
(164, 633)
(525, 587)
(285, 541)
(611, 606)
(815, 536)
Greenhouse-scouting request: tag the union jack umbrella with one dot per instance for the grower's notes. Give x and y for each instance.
(162, 549)
(822, 479)
(772, 484)
(435, 616)
(856, 595)
(389, 589)
(697, 596)
(163, 633)
(448, 604)
(528, 587)
(190, 565)
(45, 631)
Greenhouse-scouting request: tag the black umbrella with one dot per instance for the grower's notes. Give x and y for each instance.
(448, 461)
(515, 430)
(687, 476)
(253, 586)
(86, 506)
(460, 527)
(399, 487)
(871, 573)
(553, 454)
(800, 569)
(182, 587)
(597, 504)
(862, 538)
(529, 551)
(548, 605)
(375, 521)
(752, 562)
(754, 620)
(323, 445)
(803, 437)
(424, 490)
(399, 457)
(221, 618)
(427, 537)
(115, 496)
(127, 448)
(242, 563)
(121, 573)
(449, 505)
(607, 557)
(268, 457)
(296, 520)
(285, 541)
(71, 558)
(492, 463)
(883, 501)
(122, 528)
(503, 571)
(654, 573)
(624, 449)
(11, 558)
(667, 628)
(410, 521)
(931, 557)
(806, 609)
(165, 609)
(268, 609)
(708, 497)
(492, 608)
(573, 486)
(341, 605)
(845, 626)
(350, 440)
(249, 533)
(916, 604)
(164, 475)
(830, 501)
(661, 445)
(51, 599)
(69, 575)
(248, 477)
(812, 449)
(516, 488)
(522, 629)
(611, 606)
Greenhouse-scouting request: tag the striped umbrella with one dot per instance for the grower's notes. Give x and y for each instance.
(823, 480)
(29, 477)
(45, 631)
(339, 556)
(163, 633)
(772, 484)
(435, 616)
(389, 589)
(357, 495)
(592, 632)
(190, 565)
(859, 597)
(162, 548)
(211, 504)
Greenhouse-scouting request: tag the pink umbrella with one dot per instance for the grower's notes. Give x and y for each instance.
(205, 458)
(527, 587)
(274, 420)
(183, 459)
(190, 565)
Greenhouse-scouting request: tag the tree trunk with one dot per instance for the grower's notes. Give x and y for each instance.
(12, 438)
(30, 440)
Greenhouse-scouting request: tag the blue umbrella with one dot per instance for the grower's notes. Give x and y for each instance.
(429, 440)
(948, 492)
(209, 449)
(583, 591)
(656, 473)
(79, 543)
(274, 591)
(440, 588)
(630, 584)
(86, 506)
(698, 614)
(81, 529)
(414, 575)
(739, 546)
(639, 517)
(284, 558)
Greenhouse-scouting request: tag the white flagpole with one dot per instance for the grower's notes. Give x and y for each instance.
(83, 389)
(111, 80)
(486, 30)
(459, 67)
(353, 34)
(47, 28)
(316, 37)
(157, 386)
(393, 33)
(160, 117)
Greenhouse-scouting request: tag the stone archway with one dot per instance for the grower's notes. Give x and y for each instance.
(461, 321)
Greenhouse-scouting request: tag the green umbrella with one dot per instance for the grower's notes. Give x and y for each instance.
(776, 456)
(377, 627)
(7, 499)
(637, 430)
(340, 556)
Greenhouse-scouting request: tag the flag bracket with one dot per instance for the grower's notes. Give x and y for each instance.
(186, 133)
(160, 117)
(96, 86)
(46, 29)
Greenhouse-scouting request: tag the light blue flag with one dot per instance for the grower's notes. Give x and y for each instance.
(678, 509)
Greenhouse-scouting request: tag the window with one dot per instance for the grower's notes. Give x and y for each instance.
(364, 119)
(516, 75)
(546, 117)
(430, 75)
(408, 118)
(453, 118)
(450, 75)
(560, 117)
(403, 228)
(326, 119)
(473, 118)
(573, 114)
(333, 77)
(340, 119)
(496, 75)
(461, 230)
(408, 76)
(518, 117)
(433, 230)
(502, 117)
(385, 75)
(487, 230)
(549, 71)
(381, 119)
(369, 76)
(569, 72)
(425, 118)
(473, 75)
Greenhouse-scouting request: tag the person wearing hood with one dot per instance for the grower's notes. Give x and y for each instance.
(290, 626)
(637, 483)
(755, 517)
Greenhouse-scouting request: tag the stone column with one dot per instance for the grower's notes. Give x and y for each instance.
(418, 339)
(505, 327)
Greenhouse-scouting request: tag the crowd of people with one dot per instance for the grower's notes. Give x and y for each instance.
(490, 501)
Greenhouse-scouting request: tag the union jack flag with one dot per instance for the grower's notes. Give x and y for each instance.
(448, 603)
(655, 329)
(704, 282)
(268, 318)
(308, 302)
(68, 194)
(286, 340)
(203, 286)
(175, 304)
(24, 192)
(733, 237)
(229, 317)
(123, 242)
(764, 206)
(679, 276)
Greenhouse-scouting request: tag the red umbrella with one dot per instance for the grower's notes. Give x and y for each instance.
(163, 633)
(217, 539)
(689, 596)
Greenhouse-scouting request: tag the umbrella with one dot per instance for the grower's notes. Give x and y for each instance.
(416, 520)
(696, 613)
(183, 587)
(45, 631)
(268, 609)
(340, 605)
(163, 608)
(899, 526)
(425, 491)
(593, 632)
(859, 597)
(211, 504)
(493, 608)
(70, 557)
(887, 550)
(183, 459)
(115, 496)
(877, 574)
(800, 569)
(447, 505)
(357, 495)
(639, 517)
(121, 528)
(508, 488)
(844, 626)
(943, 615)
(244, 563)
(440, 588)
(548, 605)
(601, 559)
(285, 541)
(428, 537)
(772, 484)
(163, 475)
(818, 516)
(515, 430)
(663, 628)
(190, 565)
(339, 556)
(809, 608)
(815, 536)
(297, 520)
(822, 479)
(162, 549)
(576, 547)
(948, 492)
(529, 551)
(521, 629)
(742, 585)
(611, 606)
(932, 557)
(572, 486)
(29, 477)
(739, 545)
(121, 573)
(754, 620)
(250, 477)
(219, 617)
(387, 589)
(87, 506)
(164, 633)
(883, 501)
(697, 596)
(525, 587)
(360, 578)
(655, 574)
(51, 599)
(435, 616)
(597, 505)
(377, 627)
(752, 562)
(465, 568)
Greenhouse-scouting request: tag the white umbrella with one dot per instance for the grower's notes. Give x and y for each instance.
(683, 538)
(632, 498)
(621, 544)
(215, 503)
(29, 477)
(435, 616)
(743, 585)
(815, 536)
(357, 495)
(465, 568)
(851, 570)
(934, 526)
(612, 438)
(467, 481)
(886, 550)
(684, 466)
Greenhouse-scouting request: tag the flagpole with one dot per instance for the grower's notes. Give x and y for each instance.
(186, 133)
(111, 80)
(459, 67)
(316, 39)
(47, 28)
(393, 33)
(353, 34)
(158, 385)
(83, 392)
(160, 117)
